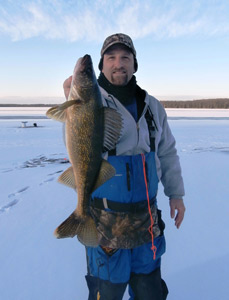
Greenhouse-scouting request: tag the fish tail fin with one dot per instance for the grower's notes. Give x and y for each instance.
(87, 233)
(84, 228)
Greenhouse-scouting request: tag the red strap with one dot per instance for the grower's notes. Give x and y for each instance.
(153, 248)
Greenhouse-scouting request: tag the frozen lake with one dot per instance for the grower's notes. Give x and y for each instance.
(39, 112)
(35, 265)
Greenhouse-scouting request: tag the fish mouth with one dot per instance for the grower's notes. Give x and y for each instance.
(83, 75)
(86, 64)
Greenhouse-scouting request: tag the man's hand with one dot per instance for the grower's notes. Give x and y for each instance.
(177, 205)
(67, 86)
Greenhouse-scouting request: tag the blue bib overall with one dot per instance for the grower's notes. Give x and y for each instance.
(128, 185)
(121, 196)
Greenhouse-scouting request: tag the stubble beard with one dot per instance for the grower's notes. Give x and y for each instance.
(120, 80)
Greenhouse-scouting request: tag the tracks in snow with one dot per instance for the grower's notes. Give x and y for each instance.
(15, 197)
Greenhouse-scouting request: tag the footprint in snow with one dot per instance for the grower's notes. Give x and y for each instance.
(6, 170)
(8, 206)
(14, 201)
(47, 180)
(60, 171)
(18, 192)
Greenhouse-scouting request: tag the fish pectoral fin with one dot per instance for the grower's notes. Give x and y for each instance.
(58, 112)
(68, 178)
(112, 128)
(84, 228)
(107, 171)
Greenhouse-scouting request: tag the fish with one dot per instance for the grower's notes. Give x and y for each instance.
(90, 130)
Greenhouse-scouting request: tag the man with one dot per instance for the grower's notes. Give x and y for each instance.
(125, 207)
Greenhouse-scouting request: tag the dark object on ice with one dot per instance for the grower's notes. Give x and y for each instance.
(42, 161)
(25, 125)
(64, 161)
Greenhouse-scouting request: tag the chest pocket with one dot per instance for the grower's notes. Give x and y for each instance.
(128, 185)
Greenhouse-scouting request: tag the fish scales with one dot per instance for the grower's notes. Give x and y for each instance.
(85, 151)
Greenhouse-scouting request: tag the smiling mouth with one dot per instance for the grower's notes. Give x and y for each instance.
(119, 72)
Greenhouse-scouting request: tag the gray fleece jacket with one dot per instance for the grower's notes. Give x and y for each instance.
(135, 140)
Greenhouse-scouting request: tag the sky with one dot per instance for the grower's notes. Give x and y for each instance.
(182, 46)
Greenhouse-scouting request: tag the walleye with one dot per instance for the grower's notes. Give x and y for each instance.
(89, 129)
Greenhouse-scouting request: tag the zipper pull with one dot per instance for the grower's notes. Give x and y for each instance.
(128, 176)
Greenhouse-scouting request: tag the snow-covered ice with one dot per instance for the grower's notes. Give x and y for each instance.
(197, 113)
(32, 112)
(35, 265)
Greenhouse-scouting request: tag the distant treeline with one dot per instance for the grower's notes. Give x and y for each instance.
(203, 103)
(27, 105)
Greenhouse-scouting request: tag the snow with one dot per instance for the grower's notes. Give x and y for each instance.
(35, 265)
(22, 112)
(197, 113)
(32, 112)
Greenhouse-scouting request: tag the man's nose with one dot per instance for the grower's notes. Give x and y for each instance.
(118, 63)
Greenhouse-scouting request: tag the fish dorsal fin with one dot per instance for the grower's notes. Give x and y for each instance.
(68, 178)
(58, 112)
(107, 171)
(112, 128)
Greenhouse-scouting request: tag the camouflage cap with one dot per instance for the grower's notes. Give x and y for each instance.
(118, 38)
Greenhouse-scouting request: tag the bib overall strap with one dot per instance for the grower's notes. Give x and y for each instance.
(112, 152)
(152, 126)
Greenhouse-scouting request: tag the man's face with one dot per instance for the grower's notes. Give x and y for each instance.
(118, 65)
